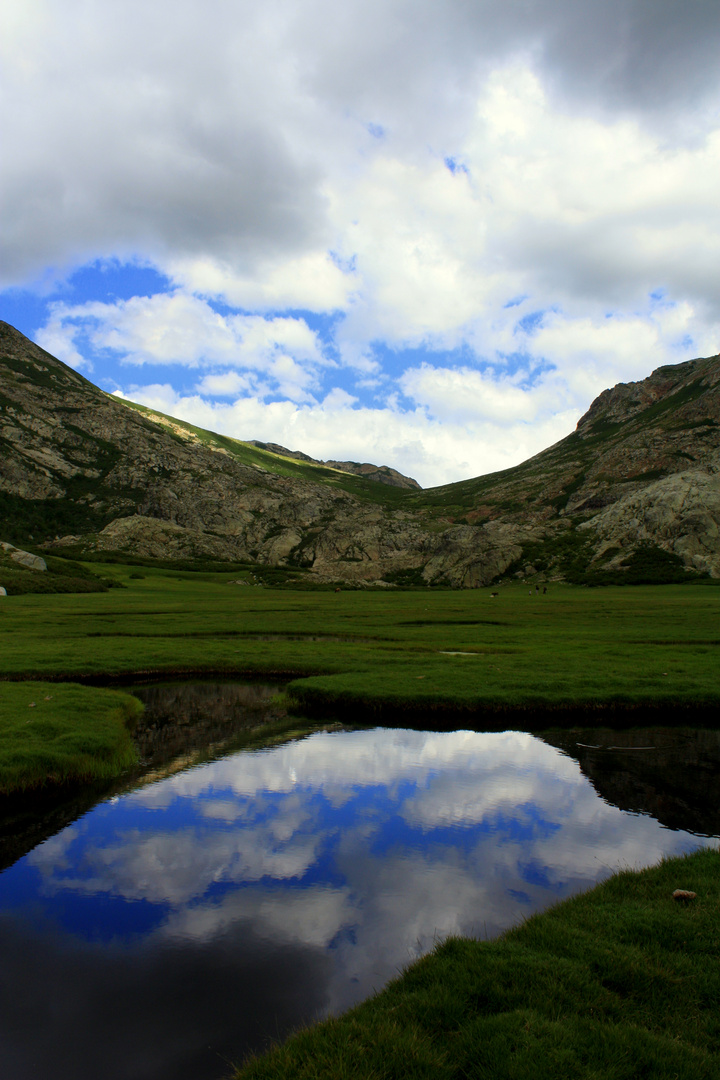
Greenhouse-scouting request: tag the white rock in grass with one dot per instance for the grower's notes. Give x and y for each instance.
(24, 558)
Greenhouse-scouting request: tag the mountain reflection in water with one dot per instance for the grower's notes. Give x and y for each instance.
(173, 929)
(183, 724)
(670, 773)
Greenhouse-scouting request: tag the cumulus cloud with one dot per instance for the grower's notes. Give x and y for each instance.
(180, 329)
(405, 171)
(312, 282)
(155, 133)
(135, 127)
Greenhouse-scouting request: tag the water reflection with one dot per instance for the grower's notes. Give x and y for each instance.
(670, 773)
(187, 922)
(191, 722)
(183, 724)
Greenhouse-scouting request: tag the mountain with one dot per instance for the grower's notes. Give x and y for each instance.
(632, 494)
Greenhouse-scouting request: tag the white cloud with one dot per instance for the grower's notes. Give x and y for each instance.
(226, 384)
(311, 282)
(180, 329)
(433, 451)
(566, 152)
(580, 214)
(464, 394)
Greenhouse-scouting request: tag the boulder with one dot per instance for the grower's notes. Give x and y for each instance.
(24, 558)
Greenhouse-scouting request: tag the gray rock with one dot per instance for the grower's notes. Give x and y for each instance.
(680, 513)
(24, 558)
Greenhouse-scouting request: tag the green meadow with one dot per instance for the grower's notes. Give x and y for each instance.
(415, 647)
(463, 657)
(54, 733)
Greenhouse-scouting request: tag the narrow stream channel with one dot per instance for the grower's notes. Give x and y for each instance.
(259, 874)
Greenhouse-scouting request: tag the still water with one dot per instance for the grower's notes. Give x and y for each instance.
(174, 927)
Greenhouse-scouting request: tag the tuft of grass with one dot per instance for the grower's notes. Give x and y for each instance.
(618, 983)
(53, 733)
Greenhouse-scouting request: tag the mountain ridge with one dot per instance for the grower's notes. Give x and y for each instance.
(381, 474)
(90, 472)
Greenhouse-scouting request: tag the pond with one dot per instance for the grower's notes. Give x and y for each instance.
(232, 894)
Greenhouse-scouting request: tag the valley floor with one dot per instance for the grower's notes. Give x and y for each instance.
(618, 983)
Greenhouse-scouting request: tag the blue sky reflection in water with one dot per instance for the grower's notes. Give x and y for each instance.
(169, 930)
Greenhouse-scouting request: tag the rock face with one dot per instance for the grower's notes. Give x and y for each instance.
(680, 513)
(81, 469)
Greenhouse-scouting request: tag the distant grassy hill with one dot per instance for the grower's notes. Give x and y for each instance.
(252, 455)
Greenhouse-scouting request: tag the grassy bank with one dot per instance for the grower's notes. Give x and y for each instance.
(53, 733)
(619, 983)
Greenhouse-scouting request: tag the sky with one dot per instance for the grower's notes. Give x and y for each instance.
(418, 234)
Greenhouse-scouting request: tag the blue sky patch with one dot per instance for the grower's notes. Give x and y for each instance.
(530, 322)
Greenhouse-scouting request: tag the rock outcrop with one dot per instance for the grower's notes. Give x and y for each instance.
(681, 514)
(82, 470)
(22, 558)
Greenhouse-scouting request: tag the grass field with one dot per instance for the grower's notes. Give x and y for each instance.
(364, 651)
(619, 983)
(572, 646)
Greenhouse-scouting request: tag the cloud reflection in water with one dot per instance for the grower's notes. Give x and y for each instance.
(346, 853)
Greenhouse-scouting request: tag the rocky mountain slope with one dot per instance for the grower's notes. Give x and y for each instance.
(636, 485)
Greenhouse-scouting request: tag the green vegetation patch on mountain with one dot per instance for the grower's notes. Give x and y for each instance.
(569, 555)
(25, 520)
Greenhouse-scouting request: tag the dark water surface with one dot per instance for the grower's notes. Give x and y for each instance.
(174, 927)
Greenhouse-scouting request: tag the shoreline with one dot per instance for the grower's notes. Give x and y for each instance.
(316, 704)
(620, 981)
